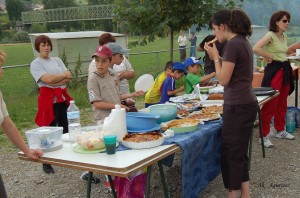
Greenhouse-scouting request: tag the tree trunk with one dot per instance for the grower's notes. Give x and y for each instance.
(171, 44)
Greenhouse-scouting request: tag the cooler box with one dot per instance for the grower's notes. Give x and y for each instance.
(45, 138)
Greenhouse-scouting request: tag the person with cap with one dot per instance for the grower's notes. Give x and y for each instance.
(103, 92)
(117, 58)
(168, 88)
(192, 66)
(153, 94)
(124, 70)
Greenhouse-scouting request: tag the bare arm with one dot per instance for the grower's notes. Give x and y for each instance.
(126, 74)
(292, 48)
(106, 105)
(180, 89)
(63, 82)
(56, 78)
(258, 48)
(131, 95)
(208, 77)
(13, 134)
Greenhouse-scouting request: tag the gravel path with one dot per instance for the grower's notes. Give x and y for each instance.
(276, 176)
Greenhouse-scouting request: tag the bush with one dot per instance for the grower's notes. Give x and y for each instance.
(21, 37)
(38, 28)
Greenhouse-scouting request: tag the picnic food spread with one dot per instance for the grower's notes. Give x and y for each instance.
(142, 137)
(90, 140)
(143, 140)
(213, 109)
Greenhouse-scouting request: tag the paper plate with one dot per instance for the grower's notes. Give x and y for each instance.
(79, 149)
(293, 57)
(144, 82)
(207, 87)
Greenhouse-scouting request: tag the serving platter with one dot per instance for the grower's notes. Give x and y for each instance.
(293, 57)
(207, 103)
(143, 145)
(79, 149)
(207, 87)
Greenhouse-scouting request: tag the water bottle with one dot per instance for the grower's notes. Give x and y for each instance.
(73, 115)
(290, 122)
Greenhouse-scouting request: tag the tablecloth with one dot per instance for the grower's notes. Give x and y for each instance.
(200, 156)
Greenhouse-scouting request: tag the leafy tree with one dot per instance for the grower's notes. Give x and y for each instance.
(14, 9)
(99, 2)
(163, 17)
(51, 4)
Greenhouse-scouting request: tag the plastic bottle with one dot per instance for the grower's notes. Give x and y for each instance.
(73, 115)
(290, 122)
(115, 123)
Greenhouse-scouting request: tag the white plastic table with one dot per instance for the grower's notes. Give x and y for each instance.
(123, 163)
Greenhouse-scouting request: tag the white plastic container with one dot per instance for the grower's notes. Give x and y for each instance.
(115, 123)
(45, 138)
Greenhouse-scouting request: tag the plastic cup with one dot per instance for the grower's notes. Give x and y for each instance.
(297, 52)
(110, 144)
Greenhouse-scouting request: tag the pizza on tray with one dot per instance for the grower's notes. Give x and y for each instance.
(180, 123)
(213, 109)
(205, 117)
(142, 137)
(216, 96)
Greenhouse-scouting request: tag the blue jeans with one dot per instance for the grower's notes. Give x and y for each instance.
(193, 51)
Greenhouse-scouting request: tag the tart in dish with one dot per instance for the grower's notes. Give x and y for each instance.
(143, 140)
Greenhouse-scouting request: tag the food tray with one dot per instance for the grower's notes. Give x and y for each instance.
(208, 103)
(293, 57)
(143, 145)
(185, 129)
(78, 149)
(207, 87)
(216, 116)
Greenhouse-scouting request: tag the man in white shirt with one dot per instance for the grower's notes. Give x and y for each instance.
(182, 41)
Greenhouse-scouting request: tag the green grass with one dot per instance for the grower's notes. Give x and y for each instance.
(19, 89)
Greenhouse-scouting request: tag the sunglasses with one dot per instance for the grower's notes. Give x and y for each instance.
(285, 21)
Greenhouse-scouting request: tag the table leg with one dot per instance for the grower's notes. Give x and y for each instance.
(147, 194)
(112, 186)
(261, 133)
(296, 89)
(163, 181)
(88, 195)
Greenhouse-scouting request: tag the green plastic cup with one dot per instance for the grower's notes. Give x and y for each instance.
(110, 144)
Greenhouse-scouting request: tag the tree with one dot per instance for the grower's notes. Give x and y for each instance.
(51, 4)
(14, 9)
(99, 2)
(159, 18)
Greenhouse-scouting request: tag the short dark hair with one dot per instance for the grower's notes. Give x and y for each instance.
(277, 16)
(169, 65)
(106, 38)
(236, 20)
(42, 39)
(178, 70)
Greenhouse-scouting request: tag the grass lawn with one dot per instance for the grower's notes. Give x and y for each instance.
(19, 89)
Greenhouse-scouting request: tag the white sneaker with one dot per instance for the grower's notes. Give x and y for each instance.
(272, 133)
(285, 135)
(267, 142)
